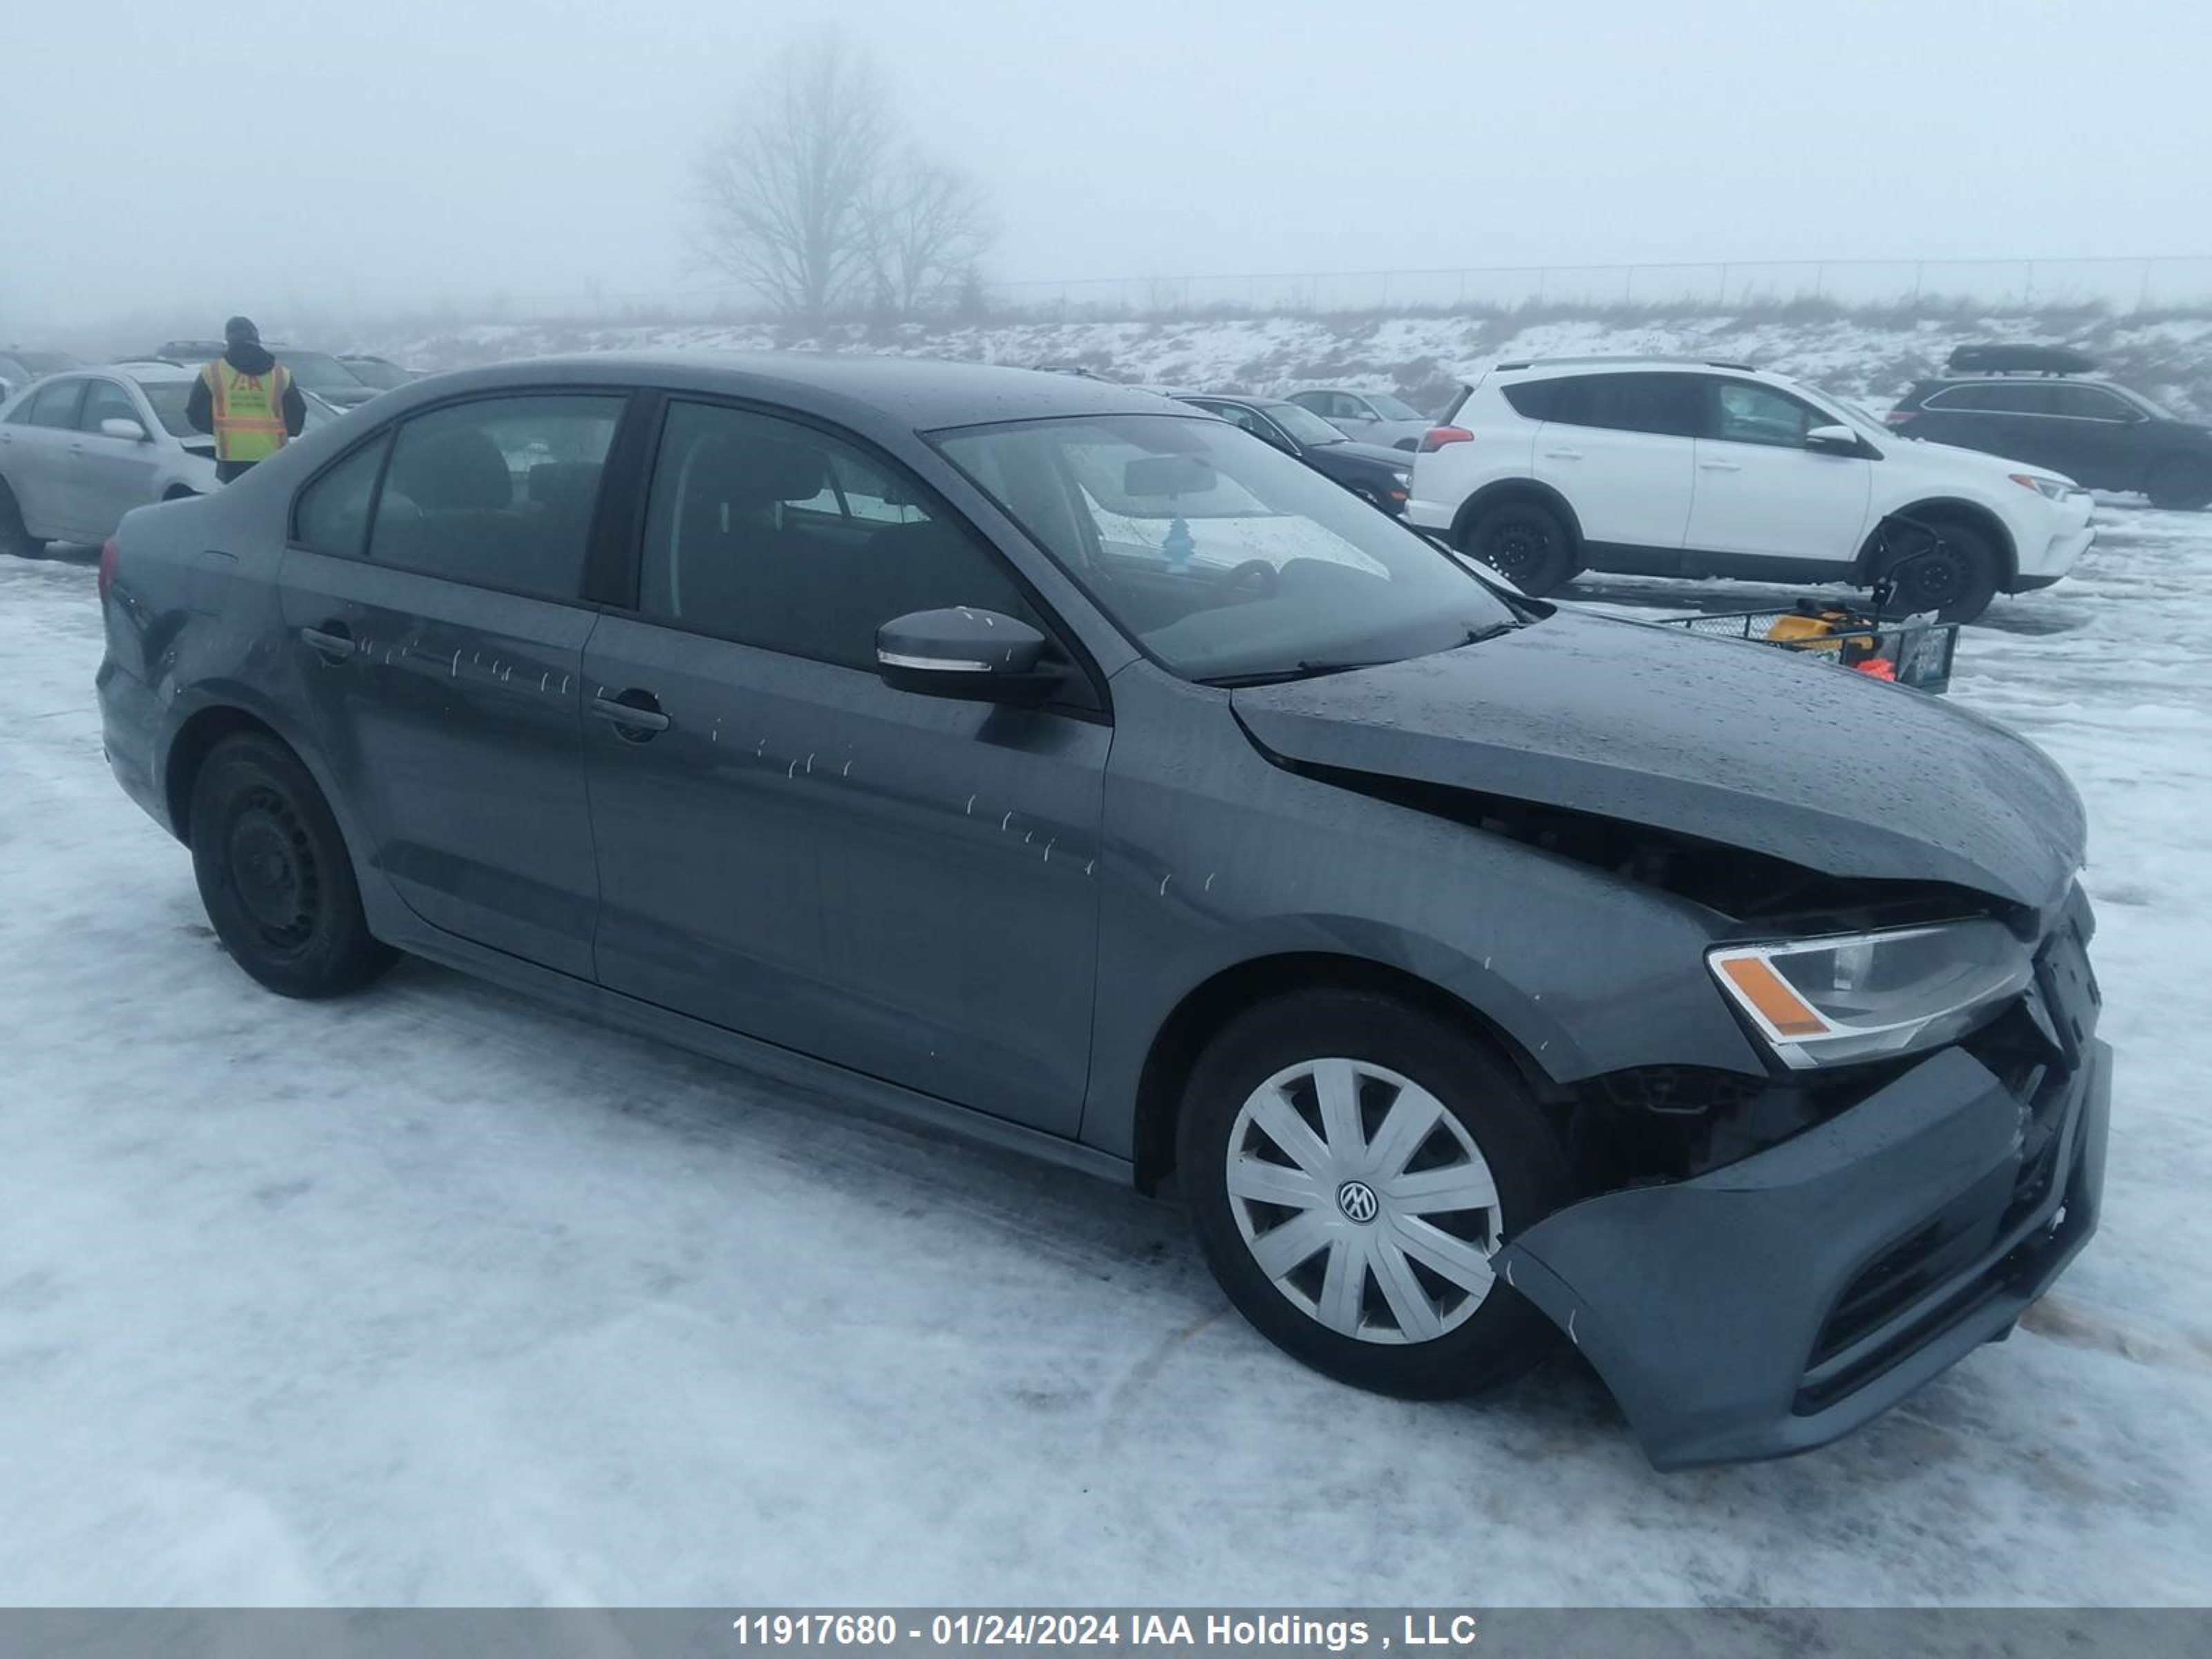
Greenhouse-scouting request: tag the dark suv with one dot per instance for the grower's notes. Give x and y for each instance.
(2029, 403)
(1035, 758)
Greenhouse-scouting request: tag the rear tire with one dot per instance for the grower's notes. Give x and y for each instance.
(1526, 542)
(14, 537)
(1366, 1257)
(274, 874)
(1956, 582)
(2183, 483)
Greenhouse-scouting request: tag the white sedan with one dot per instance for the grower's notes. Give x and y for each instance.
(79, 449)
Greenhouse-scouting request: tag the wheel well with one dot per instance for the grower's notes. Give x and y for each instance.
(179, 492)
(1515, 489)
(1965, 514)
(1184, 1034)
(193, 744)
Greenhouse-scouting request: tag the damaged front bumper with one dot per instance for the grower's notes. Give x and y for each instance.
(1775, 1303)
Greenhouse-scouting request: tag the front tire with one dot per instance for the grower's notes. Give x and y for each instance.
(274, 874)
(2183, 483)
(1953, 572)
(1526, 542)
(1352, 1164)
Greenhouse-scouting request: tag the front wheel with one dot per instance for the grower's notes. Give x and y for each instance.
(1352, 1165)
(1949, 569)
(2185, 482)
(274, 874)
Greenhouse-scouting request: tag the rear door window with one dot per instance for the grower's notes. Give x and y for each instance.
(332, 516)
(498, 492)
(57, 405)
(1662, 405)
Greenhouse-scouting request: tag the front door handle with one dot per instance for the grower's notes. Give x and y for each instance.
(332, 642)
(635, 714)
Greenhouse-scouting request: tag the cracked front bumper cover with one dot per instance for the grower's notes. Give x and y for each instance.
(1707, 1305)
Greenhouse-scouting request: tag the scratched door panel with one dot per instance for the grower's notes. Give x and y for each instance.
(452, 727)
(902, 885)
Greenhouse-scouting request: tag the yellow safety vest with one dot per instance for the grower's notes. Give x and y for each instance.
(249, 411)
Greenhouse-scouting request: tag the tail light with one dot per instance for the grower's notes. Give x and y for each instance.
(1899, 417)
(1437, 436)
(106, 567)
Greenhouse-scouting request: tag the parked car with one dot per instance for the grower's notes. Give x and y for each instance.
(1547, 467)
(381, 372)
(1379, 477)
(313, 371)
(83, 448)
(1033, 758)
(2030, 403)
(1374, 417)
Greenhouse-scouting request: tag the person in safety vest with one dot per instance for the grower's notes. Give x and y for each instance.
(246, 399)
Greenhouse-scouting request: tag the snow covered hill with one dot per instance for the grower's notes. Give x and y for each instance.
(1872, 356)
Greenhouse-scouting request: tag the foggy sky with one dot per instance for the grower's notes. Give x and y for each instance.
(358, 157)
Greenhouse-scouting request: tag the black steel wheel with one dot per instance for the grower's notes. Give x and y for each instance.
(274, 873)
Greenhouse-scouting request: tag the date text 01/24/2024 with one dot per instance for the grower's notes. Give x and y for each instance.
(1079, 1630)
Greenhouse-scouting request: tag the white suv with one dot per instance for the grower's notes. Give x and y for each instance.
(1547, 467)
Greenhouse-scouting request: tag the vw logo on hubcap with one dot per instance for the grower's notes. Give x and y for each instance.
(1356, 1200)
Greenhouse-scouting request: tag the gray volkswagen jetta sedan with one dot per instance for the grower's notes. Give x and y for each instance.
(1023, 753)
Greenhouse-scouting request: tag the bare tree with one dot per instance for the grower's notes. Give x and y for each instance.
(783, 190)
(927, 224)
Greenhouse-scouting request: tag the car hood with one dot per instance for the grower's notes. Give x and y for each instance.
(1951, 460)
(1738, 743)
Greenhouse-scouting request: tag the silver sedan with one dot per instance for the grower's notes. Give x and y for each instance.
(1373, 418)
(79, 449)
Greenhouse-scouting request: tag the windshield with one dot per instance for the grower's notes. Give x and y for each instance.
(1301, 423)
(1394, 409)
(169, 399)
(1217, 553)
(319, 371)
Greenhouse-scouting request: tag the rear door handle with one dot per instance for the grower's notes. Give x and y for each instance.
(332, 642)
(1720, 466)
(635, 714)
(1563, 454)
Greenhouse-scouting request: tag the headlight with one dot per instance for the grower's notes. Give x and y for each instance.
(1861, 996)
(2051, 489)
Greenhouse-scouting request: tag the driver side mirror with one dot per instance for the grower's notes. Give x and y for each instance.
(1834, 441)
(115, 426)
(982, 656)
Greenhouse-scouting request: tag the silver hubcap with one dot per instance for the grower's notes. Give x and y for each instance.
(1369, 1205)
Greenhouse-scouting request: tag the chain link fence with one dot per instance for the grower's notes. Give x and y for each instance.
(2121, 285)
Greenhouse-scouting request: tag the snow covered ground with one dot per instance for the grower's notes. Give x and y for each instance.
(434, 1297)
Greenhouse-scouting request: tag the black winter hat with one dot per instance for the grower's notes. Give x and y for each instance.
(239, 330)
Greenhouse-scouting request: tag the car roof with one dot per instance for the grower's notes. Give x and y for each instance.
(922, 393)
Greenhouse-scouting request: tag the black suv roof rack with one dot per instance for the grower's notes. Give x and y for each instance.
(1629, 357)
(2018, 359)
